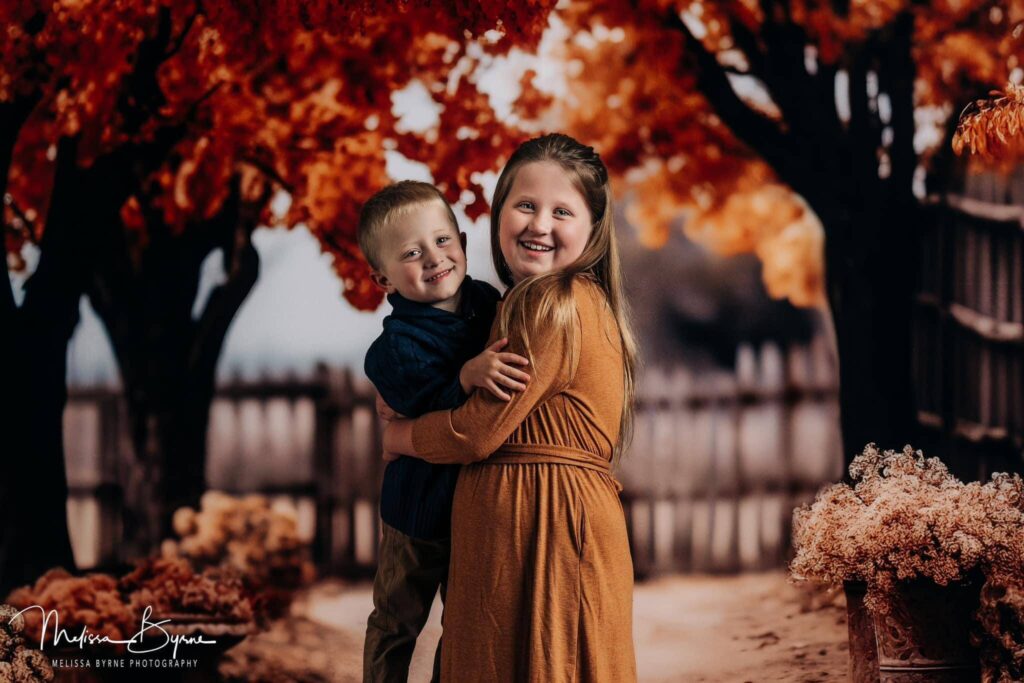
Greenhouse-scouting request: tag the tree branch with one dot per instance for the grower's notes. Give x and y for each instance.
(863, 128)
(755, 130)
(242, 262)
(897, 81)
(13, 116)
(175, 47)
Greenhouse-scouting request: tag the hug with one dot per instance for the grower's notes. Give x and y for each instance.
(504, 417)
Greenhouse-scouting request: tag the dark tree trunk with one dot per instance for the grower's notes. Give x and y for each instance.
(167, 357)
(857, 175)
(33, 484)
(870, 288)
(35, 533)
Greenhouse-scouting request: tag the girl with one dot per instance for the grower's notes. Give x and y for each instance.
(541, 580)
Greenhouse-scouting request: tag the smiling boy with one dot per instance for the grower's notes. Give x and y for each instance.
(427, 358)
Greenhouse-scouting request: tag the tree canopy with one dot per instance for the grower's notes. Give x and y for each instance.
(733, 113)
(290, 96)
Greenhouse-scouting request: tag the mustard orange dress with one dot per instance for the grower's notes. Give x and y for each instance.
(540, 586)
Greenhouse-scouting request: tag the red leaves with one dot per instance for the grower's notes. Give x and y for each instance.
(298, 93)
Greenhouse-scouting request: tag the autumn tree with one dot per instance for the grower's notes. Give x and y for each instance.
(128, 169)
(757, 119)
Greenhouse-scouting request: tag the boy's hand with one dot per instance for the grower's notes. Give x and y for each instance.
(494, 370)
(385, 412)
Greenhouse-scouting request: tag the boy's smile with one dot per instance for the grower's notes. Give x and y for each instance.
(423, 257)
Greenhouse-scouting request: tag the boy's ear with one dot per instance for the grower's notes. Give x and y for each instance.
(381, 280)
(462, 239)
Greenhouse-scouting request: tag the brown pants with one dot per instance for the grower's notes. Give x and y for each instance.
(409, 573)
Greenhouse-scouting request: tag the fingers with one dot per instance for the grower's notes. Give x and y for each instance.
(498, 345)
(510, 383)
(508, 371)
(513, 359)
(496, 390)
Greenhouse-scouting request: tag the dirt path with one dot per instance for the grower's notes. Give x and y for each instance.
(754, 627)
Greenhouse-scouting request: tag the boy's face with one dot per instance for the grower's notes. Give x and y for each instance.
(423, 257)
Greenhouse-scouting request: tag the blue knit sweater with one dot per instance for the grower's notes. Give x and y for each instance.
(415, 365)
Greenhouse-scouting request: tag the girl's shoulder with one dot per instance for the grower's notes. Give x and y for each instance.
(588, 294)
(585, 284)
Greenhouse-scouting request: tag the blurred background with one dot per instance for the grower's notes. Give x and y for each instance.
(809, 265)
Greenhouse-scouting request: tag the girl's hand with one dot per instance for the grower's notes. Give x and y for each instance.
(494, 370)
(397, 439)
(385, 412)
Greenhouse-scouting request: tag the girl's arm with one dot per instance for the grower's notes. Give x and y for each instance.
(476, 429)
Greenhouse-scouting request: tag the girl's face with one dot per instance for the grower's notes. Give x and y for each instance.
(544, 223)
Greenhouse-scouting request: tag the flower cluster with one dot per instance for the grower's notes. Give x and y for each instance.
(259, 540)
(93, 601)
(907, 517)
(18, 663)
(172, 587)
(113, 608)
(999, 629)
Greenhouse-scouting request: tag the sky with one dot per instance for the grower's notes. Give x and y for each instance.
(294, 317)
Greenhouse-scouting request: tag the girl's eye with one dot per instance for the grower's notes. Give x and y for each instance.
(525, 205)
(565, 213)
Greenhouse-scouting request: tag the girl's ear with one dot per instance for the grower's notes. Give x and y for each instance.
(381, 280)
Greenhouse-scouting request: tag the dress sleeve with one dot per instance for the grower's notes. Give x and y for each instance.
(476, 429)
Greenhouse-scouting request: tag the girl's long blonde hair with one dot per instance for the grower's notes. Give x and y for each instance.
(547, 298)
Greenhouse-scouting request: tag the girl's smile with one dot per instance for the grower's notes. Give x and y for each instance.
(545, 222)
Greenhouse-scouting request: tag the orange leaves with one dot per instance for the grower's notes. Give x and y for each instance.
(295, 95)
(468, 140)
(635, 99)
(195, 190)
(994, 128)
(768, 219)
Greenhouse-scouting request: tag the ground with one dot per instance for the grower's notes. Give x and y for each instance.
(752, 627)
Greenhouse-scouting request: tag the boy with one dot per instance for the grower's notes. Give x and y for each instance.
(426, 359)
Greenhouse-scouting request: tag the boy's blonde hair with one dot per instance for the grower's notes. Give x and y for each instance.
(550, 294)
(394, 201)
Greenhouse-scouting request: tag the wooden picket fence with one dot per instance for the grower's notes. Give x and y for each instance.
(717, 463)
(969, 325)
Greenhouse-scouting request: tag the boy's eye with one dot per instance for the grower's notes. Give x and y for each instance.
(443, 239)
(411, 253)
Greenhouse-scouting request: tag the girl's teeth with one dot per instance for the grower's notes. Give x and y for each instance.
(535, 247)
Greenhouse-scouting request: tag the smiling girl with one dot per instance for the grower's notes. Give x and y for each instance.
(541, 580)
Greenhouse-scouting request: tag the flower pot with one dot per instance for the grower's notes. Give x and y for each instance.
(861, 632)
(925, 637)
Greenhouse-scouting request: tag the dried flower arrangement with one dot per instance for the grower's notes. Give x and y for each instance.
(906, 517)
(18, 663)
(111, 607)
(249, 536)
(993, 128)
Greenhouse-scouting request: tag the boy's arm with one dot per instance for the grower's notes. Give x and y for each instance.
(473, 431)
(409, 379)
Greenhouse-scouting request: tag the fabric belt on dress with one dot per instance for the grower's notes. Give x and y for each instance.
(526, 454)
